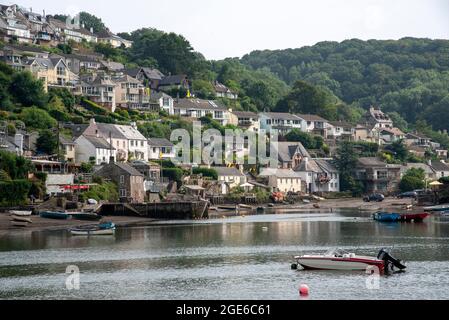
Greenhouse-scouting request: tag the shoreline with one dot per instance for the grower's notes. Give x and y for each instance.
(326, 206)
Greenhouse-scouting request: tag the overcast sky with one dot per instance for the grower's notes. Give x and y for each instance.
(232, 28)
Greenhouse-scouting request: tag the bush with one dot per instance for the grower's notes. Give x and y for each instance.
(173, 174)
(206, 172)
(14, 192)
(106, 191)
(37, 118)
(95, 108)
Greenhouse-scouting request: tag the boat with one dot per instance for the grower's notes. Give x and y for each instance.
(20, 213)
(416, 217)
(339, 259)
(54, 215)
(21, 219)
(84, 216)
(19, 223)
(386, 216)
(102, 229)
(443, 207)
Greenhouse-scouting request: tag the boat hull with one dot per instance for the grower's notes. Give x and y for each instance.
(106, 232)
(417, 217)
(386, 217)
(341, 264)
(20, 213)
(54, 215)
(21, 219)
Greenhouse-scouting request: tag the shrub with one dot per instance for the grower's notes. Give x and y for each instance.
(37, 118)
(92, 106)
(14, 192)
(206, 172)
(173, 174)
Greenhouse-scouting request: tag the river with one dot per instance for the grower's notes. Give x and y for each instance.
(230, 258)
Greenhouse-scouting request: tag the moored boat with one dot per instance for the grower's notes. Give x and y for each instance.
(84, 216)
(342, 260)
(20, 213)
(416, 217)
(102, 229)
(386, 216)
(443, 207)
(54, 215)
(21, 219)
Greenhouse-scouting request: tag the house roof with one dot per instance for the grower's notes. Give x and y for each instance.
(245, 114)
(153, 74)
(129, 169)
(130, 132)
(326, 165)
(159, 94)
(280, 115)
(312, 117)
(24, 48)
(228, 172)
(342, 124)
(279, 173)
(159, 142)
(109, 128)
(98, 142)
(371, 162)
(393, 131)
(199, 104)
(112, 65)
(286, 150)
(439, 166)
(308, 166)
(417, 135)
(219, 87)
(427, 169)
(173, 80)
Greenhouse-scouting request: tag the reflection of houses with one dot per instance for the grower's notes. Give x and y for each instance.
(283, 123)
(319, 175)
(130, 182)
(283, 180)
(245, 120)
(376, 175)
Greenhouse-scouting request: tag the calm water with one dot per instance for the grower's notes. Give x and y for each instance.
(232, 258)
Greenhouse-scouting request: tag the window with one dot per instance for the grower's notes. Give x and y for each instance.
(122, 193)
(141, 143)
(132, 143)
(268, 121)
(122, 179)
(60, 71)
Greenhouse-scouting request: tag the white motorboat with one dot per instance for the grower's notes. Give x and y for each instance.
(342, 260)
(21, 213)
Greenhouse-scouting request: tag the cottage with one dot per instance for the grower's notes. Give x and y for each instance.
(319, 175)
(376, 175)
(283, 123)
(149, 77)
(245, 120)
(163, 102)
(283, 180)
(130, 182)
(390, 135)
(341, 130)
(99, 88)
(137, 143)
(314, 124)
(290, 154)
(232, 176)
(197, 108)
(179, 81)
(221, 91)
(160, 148)
(92, 148)
(417, 139)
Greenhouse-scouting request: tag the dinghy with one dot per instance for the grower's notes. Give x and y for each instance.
(103, 229)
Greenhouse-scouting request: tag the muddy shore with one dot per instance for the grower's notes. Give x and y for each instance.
(41, 224)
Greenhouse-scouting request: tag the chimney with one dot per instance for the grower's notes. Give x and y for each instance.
(18, 141)
(92, 121)
(134, 125)
(91, 30)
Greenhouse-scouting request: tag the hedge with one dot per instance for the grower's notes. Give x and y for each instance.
(95, 108)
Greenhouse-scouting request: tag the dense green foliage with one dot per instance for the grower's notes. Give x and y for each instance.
(307, 140)
(206, 172)
(412, 180)
(104, 191)
(14, 187)
(408, 76)
(14, 192)
(47, 142)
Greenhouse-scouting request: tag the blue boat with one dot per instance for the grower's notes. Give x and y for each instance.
(102, 229)
(386, 217)
(54, 215)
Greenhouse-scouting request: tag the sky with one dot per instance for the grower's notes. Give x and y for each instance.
(233, 28)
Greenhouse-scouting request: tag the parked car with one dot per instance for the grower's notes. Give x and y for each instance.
(409, 194)
(374, 197)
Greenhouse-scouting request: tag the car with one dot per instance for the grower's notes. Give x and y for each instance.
(409, 194)
(374, 197)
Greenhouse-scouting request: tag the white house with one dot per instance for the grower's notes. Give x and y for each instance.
(245, 120)
(314, 124)
(232, 176)
(282, 122)
(440, 167)
(198, 108)
(160, 148)
(95, 148)
(137, 143)
(283, 180)
(165, 101)
(55, 183)
(319, 175)
(341, 130)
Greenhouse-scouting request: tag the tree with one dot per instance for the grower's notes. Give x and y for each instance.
(27, 90)
(37, 118)
(345, 161)
(399, 150)
(47, 142)
(91, 21)
(412, 180)
(296, 135)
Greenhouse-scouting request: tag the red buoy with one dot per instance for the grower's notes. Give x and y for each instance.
(303, 290)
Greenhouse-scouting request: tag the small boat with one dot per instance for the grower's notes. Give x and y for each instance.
(21, 219)
(20, 213)
(416, 217)
(102, 229)
(443, 207)
(84, 216)
(342, 260)
(54, 215)
(386, 217)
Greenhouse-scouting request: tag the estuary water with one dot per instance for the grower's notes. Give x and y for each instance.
(232, 258)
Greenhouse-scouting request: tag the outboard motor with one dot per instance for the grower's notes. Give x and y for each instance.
(390, 261)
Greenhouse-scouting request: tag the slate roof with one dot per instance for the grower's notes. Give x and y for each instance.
(199, 104)
(173, 80)
(280, 115)
(228, 172)
(286, 150)
(98, 142)
(326, 165)
(159, 142)
(312, 117)
(308, 166)
(439, 166)
(371, 162)
(245, 114)
(279, 173)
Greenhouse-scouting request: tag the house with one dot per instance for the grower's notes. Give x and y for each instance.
(148, 76)
(314, 124)
(282, 180)
(16, 56)
(65, 32)
(52, 71)
(137, 143)
(417, 139)
(57, 183)
(440, 167)
(430, 174)
(418, 151)
(319, 175)
(245, 120)
(11, 26)
(93, 148)
(130, 182)
(221, 91)
(160, 149)
(78, 62)
(115, 41)
(376, 175)
(231, 176)
(283, 123)
(112, 66)
(198, 108)
(375, 118)
(179, 81)
(341, 130)
(163, 101)
(290, 154)
(68, 149)
(131, 94)
(441, 153)
(390, 135)
(365, 133)
(40, 31)
(99, 88)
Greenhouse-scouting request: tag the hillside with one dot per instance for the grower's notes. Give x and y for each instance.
(408, 76)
